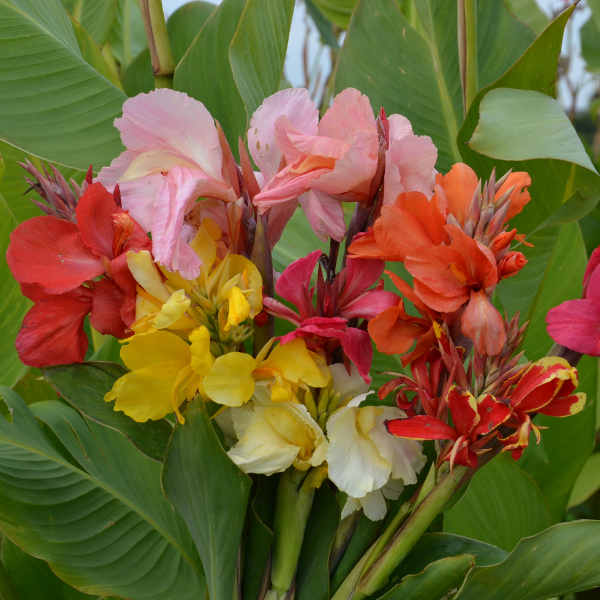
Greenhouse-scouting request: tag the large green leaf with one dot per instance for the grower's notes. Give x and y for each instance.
(590, 38)
(556, 562)
(312, 577)
(418, 75)
(95, 16)
(210, 493)
(205, 71)
(13, 305)
(33, 579)
(503, 505)
(84, 386)
(435, 582)
(568, 442)
(257, 52)
(588, 482)
(54, 104)
(100, 519)
(127, 36)
(529, 12)
(7, 590)
(337, 11)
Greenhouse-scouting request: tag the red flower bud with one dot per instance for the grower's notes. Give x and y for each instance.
(511, 264)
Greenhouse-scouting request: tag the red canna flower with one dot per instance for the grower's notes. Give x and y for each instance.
(576, 323)
(71, 269)
(545, 387)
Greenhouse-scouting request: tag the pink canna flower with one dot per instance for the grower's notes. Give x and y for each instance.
(576, 323)
(326, 163)
(174, 155)
(347, 297)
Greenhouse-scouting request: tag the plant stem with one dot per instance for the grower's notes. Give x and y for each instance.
(404, 540)
(262, 258)
(155, 25)
(467, 50)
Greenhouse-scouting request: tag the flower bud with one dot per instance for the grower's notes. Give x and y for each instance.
(511, 264)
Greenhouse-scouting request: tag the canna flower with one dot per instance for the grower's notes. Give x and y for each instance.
(463, 274)
(234, 377)
(471, 418)
(72, 269)
(333, 161)
(348, 297)
(545, 386)
(165, 372)
(576, 323)
(275, 435)
(367, 463)
(174, 155)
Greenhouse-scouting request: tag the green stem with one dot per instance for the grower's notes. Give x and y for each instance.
(292, 508)
(404, 540)
(155, 25)
(467, 50)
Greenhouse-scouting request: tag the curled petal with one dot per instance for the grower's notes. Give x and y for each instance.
(483, 324)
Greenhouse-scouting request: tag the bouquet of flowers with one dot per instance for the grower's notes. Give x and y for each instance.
(239, 440)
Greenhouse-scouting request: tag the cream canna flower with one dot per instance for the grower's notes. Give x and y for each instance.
(275, 435)
(373, 503)
(364, 459)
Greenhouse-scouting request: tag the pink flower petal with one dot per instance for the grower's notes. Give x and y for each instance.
(357, 347)
(591, 286)
(278, 309)
(302, 115)
(361, 274)
(295, 279)
(278, 218)
(325, 215)
(167, 120)
(576, 325)
(350, 112)
(369, 305)
(483, 324)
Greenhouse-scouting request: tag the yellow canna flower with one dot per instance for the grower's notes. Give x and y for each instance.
(232, 379)
(165, 371)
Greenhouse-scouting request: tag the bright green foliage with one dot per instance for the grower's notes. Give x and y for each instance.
(84, 386)
(128, 36)
(590, 38)
(337, 11)
(104, 498)
(210, 493)
(529, 12)
(588, 481)
(560, 560)
(503, 505)
(258, 49)
(95, 16)
(54, 103)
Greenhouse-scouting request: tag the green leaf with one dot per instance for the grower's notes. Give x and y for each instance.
(257, 51)
(7, 590)
(588, 482)
(568, 442)
(205, 71)
(529, 12)
(590, 38)
(13, 306)
(210, 493)
(323, 24)
(104, 525)
(95, 16)
(54, 104)
(32, 388)
(127, 36)
(502, 505)
(259, 536)
(337, 11)
(558, 561)
(84, 385)
(93, 55)
(312, 577)
(435, 582)
(32, 578)
(385, 58)
(184, 25)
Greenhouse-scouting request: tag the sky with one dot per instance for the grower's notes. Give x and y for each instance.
(293, 66)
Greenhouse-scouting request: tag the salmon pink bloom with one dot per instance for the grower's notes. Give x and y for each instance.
(174, 155)
(462, 274)
(472, 418)
(545, 387)
(576, 323)
(333, 161)
(348, 297)
(73, 269)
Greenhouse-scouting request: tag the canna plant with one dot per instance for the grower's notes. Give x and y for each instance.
(261, 348)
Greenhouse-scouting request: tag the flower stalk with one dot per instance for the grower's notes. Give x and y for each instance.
(155, 25)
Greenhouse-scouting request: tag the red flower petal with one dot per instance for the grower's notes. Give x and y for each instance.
(50, 252)
(107, 302)
(52, 332)
(422, 428)
(94, 220)
(463, 408)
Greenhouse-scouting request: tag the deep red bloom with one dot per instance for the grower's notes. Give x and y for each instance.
(73, 269)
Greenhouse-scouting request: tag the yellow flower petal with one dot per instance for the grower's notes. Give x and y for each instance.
(202, 359)
(239, 309)
(154, 161)
(204, 246)
(152, 349)
(229, 381)
(173, 309)
(251, 278)
(144, 271)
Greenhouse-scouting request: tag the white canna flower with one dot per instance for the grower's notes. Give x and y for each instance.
(373, 503)
(274, 436)
(364, 458)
